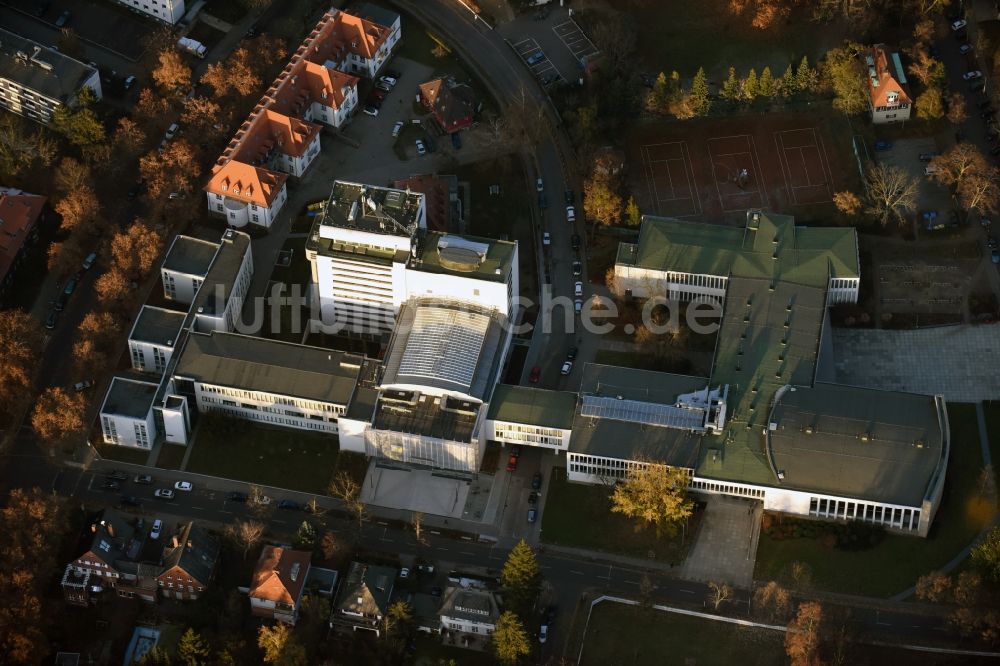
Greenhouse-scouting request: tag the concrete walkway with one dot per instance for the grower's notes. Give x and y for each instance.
(724, 548)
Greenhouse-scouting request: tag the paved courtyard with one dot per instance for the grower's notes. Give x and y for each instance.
(960, 362)
(723, 550)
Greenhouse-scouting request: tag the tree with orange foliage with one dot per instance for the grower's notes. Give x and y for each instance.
(113, 285)
(235, 74)
(79, 209)
(172, 73)
(20, 340)
(58, 415)
(65, 257)
(136, 249)
(129, 139)
(802, 639)
(173, 170)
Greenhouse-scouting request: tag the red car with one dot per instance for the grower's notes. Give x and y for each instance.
(511, 463)
(536, 373)
(378, 94)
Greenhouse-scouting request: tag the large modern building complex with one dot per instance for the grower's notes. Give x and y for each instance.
(35, 80)
(168, 11)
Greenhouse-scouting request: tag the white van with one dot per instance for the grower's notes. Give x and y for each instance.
(930, 169)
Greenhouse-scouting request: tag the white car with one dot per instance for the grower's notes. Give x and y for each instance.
(546, 239)
(164, 493)
(421, 149)
(172, 131)
(539, 185)
(958, 25)
(567, 367)
(183, 485)
(578, 289)
(570, 214)
(404, 573)
(397, 128)
(965, 49)
(578, 305)
(974, 74)
(157, 528)
(388, 80)
(82, 386)
(543, 633)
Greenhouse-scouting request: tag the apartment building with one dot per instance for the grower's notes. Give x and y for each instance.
(35, 80)
(266, 381)
(219, 300)
(281, 137)
(19, 215)
(889, 98)
(168, 11)
(278, 581)
(531, 416)
(153, 338)
(185, 267)
(127, 413)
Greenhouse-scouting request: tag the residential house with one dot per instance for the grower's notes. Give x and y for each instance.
(888, 96)
(35, 80)
(364, 41)
(19, 214)
(188, 562)
(363, 599)
(452, 104)
(469, 611)
(278, 581)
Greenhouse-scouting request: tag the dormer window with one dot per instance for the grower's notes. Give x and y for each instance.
(236, 189)
(892, 99)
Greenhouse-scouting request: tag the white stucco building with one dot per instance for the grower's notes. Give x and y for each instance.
(469, 611)
(219, 301)
(153, 338)
(185, 267)
(168, 11)
(127, 414)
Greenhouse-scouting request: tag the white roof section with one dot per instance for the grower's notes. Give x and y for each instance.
(444, 344)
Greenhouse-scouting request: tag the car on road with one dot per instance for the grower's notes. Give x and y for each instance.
(404, 573)
(371, 110)
(110, 485)
(973, 75)
(456, 141)
(966, 49)
(570, 197)
(578, 306)
(143, 479)
(882, 145)
(574, 241)
(129, 82)
(421, 149)
(290, 505)
(129, 500)
(532, 497)
(64, 18)
(532, 515)
(382, 86)
(543, 633)
(82, 386)
(388, 80)
(183, 485)
(535, 374)
(567, 367)
(118, 475)
(511, 463)
(546, 239)
(238, 497)
(540, 185)
(577, 269)
(995, 256)
(172, 131)
(536, 481)
(535, 58)
(157, 528)
(88, 262)
(571, 354)
(926, 157)
(164, 493)
(960, 24)
(397, 128)
(570, 214)
(50, 321)
(543, 203)
(515, 451)
(578, 289)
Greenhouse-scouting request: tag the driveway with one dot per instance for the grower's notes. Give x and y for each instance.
(959, 362)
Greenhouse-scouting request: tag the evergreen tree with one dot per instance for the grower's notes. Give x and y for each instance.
(632, 215)
(659, 95)
(750, 86)
(787, 82)
(731, 88)
(156, 657)
(765, 85)
(510, 642)
(805, 76)
(192, 650)
(700, 102)
(675, 83)
(521, 576)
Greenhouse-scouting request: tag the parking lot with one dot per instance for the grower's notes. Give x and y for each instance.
(537, 61)
(578, 43)
(905, 153)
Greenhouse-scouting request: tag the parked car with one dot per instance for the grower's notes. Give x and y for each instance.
(991, 242)
(960, 24)
(532, 515)
(157, 528)
(570, 197)
(536, 481)
(290, 505)
(82, 386)
(164, 493)
(172, 131)
(567, 367)
(388, 80)
(577, 269)
(396, 74)
(535, 374)
(571, 354)
(540, 185)
(535, 58)
(112, 486)
(543, 633)
(995, 150)
(129, 82)
(371, 110)
(575, 241)
(379, 95)
(427, 569)
(129, 500)
(143, 479)
(384, 87)
(546, 239)
(578, 288)
(983, 103)
(995, 256)
(515, 451)
(543, 202)
(238, 497)
(421, 149)
(50, 321)
(64, 18)
(435, 591)
(456, 141)
(118, 475)
(404, 573)
(966, 49)
(927, 157)
(532, 497)
(973, 75)
(511, 463)
(882, 145)
(397, 128)
(89, 261)
(570, 214)
(183, 485)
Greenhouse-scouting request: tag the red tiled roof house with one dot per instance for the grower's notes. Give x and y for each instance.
(451, 104)
(278, 581)
(888, 97)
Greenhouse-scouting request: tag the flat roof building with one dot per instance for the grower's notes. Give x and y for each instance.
(19, 214)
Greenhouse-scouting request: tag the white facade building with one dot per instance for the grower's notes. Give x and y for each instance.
(531, 417)
(219, 301)
(168, 11)
(469, 611)
(153, 337)
(185, 267)
(35, 80)
(368, 38)
(127, 414)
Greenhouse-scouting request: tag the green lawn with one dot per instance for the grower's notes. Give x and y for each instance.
(579, 516)
(292, 459)
(121, 453)
(171, 456)
(620, 634)
(897, 562)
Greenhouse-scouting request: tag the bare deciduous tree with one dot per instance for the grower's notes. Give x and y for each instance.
(772, 601)
(245, 534)
(802, 639)
(954, 166)
(719, 594)
(957, 113)
(980, 191)
(347, 490)
(892, 193)
(417, 520)
(933, 587)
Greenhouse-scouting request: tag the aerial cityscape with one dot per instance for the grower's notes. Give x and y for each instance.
(447, 332)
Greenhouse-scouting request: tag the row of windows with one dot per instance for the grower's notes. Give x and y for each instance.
(276, 399)
(899, 518)
(528, 434)
(267, 418)
(697, 280)
(727, 489)
(898, 107)
(843, 283)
